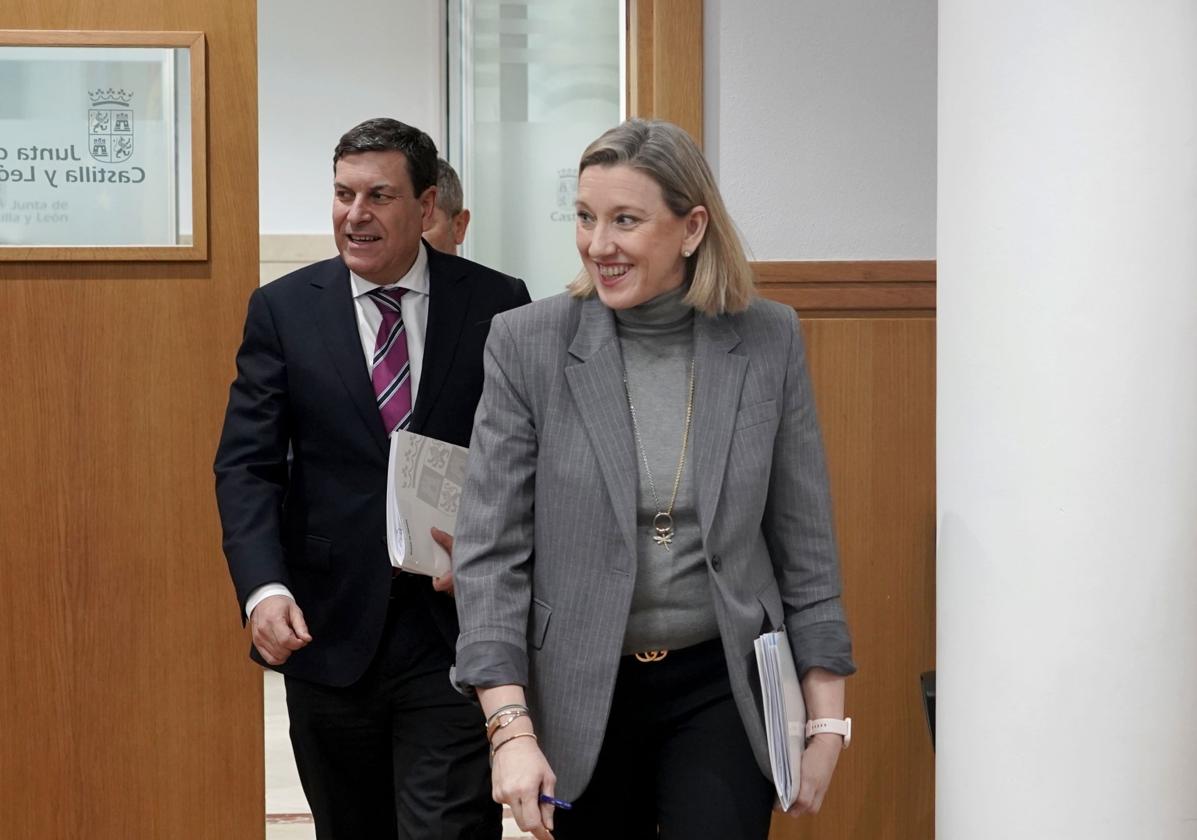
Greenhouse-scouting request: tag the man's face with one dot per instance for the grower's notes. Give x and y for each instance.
(377, 218)
(447, 232)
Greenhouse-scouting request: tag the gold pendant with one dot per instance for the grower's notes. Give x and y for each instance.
(651, 655)
(663, 525)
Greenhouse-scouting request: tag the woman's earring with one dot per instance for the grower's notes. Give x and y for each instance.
(686, 252)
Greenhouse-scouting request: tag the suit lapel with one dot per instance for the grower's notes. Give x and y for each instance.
(448, 303)
(595, 377)
(718, 380)
(338, 325)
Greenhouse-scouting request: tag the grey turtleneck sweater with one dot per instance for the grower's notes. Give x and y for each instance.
(671, 603)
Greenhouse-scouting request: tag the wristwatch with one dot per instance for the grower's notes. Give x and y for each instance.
(832, 725)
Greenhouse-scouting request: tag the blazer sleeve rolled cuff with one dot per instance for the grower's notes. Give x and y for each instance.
(825, 644)
(486, 664)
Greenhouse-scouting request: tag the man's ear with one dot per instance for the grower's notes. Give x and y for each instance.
(460, 222)
(427, 205)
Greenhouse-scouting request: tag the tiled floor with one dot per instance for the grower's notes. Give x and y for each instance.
(284, 795)
(287, 813)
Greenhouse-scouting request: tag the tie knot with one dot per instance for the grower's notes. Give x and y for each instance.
(387, 298)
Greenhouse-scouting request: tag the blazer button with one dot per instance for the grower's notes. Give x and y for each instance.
(716, 563)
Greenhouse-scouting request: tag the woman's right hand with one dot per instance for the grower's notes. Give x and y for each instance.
(519, 776)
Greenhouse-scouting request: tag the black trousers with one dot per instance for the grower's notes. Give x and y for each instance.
(676, 762)
(398, 754)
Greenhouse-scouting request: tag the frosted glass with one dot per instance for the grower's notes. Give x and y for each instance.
(538, 82)
(92, 141)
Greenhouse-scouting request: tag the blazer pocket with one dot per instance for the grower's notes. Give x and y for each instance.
(538, 622)
(755, 414)
(312, 554)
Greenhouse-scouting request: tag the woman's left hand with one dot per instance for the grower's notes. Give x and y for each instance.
(818, 764)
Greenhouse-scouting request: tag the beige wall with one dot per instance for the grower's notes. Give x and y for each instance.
(284, 252)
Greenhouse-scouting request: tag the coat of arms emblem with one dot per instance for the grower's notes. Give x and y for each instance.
(110, 125)
(567, 188)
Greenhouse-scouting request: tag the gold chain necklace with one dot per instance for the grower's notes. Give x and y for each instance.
(663, 521)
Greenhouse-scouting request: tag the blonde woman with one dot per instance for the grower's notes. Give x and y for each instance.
(647, 493)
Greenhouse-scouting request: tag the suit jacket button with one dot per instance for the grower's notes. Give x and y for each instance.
(716, 563)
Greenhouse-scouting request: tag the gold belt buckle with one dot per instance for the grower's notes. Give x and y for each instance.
(651, 655)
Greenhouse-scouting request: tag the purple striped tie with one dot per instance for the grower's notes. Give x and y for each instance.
(389, 367)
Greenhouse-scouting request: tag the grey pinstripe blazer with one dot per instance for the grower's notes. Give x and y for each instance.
(545, 549)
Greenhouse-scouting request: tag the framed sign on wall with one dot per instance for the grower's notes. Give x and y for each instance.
(102, 146)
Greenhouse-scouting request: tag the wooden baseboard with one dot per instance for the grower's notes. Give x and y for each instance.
(838, 288)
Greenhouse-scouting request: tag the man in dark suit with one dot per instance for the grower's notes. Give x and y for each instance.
(334, 357)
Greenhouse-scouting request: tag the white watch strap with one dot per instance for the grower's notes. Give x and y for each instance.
(831, 725)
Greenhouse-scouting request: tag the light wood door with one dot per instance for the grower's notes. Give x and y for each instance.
(127, 706)
(870, 337)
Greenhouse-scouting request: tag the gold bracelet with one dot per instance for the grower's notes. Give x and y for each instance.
(495, 748)
(499, 711)
(503, 720)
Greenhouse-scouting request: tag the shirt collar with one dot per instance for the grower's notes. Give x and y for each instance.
(416, 279)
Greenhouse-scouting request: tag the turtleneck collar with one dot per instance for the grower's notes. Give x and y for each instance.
(663, 314)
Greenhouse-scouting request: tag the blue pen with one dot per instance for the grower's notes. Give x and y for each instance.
(556, 803)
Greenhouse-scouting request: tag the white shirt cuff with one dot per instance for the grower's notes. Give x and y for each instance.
(262, 593)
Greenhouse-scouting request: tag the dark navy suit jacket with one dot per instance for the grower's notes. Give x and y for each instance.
(316, 522)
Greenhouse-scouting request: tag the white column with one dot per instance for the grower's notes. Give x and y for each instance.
(1067, 420)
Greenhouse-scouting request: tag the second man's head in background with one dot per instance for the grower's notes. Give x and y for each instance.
(449, 218)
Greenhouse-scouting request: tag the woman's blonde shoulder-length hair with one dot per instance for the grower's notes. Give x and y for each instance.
(718, 272)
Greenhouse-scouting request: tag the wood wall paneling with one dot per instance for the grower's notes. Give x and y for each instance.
(127, 706)
(827, 288)
(873, 372)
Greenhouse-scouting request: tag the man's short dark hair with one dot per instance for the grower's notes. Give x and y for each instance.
(448, 189)
(383, 134)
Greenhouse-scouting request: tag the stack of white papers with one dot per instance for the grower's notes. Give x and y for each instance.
(425, 479)
(785, 713)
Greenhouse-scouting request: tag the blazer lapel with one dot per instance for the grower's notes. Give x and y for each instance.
(718, 380)
(448, 302)
(338, 325)
(595, 377)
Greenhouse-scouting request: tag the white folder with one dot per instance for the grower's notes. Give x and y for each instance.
(425, 478)
(785, 713)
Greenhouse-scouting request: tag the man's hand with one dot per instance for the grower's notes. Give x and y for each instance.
(444, 539)
(278, 628)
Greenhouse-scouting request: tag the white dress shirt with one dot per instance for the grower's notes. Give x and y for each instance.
(413, 306)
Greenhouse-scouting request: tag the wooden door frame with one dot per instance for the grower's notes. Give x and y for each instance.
(665, 59)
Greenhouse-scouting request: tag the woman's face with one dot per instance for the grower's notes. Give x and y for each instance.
(630, 242)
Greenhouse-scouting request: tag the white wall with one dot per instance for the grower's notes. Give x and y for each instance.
(820, 121)
(323, 67)
(1067, 403)
(819, 117)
